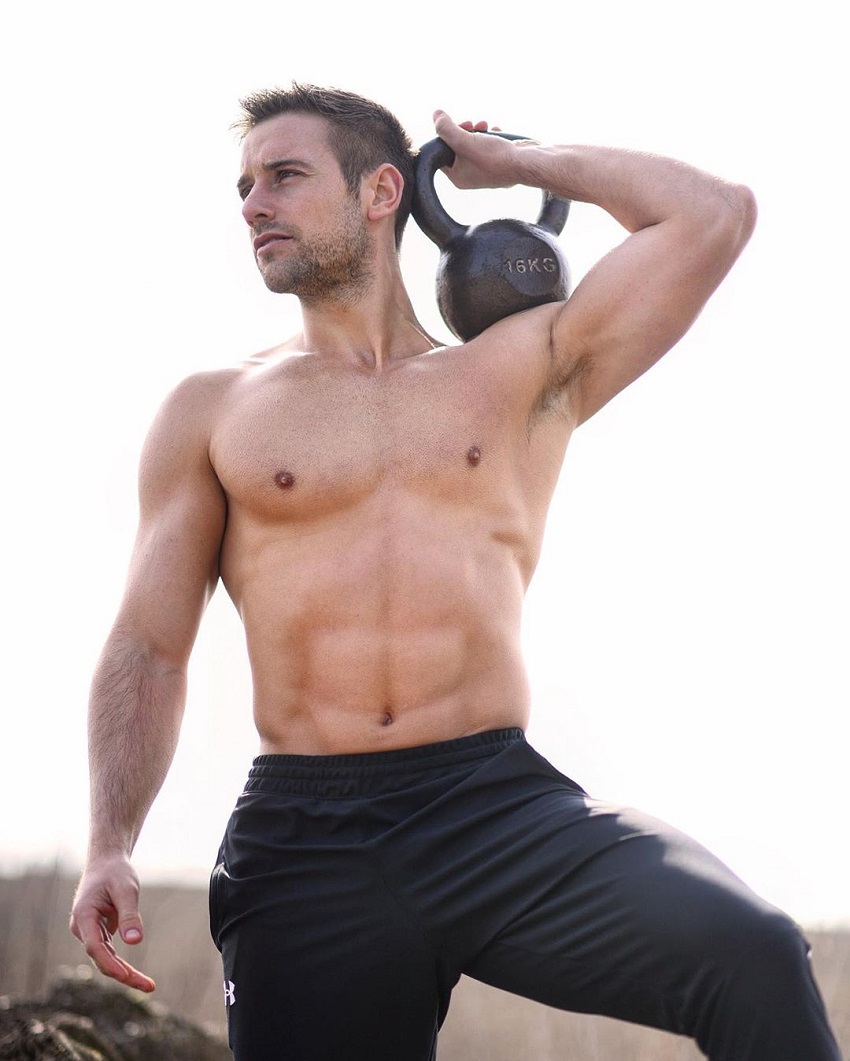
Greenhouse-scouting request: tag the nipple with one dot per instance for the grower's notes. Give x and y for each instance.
(285, 480)
(473, 455)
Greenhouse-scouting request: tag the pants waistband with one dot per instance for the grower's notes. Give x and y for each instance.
(374, 764)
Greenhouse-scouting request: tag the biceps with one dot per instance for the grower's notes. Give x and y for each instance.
(173, 571)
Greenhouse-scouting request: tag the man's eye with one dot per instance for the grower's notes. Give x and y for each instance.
(282, 174)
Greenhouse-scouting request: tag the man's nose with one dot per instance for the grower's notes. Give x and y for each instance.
(257, 206)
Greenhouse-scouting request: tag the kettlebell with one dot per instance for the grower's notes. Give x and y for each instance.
(489, 271)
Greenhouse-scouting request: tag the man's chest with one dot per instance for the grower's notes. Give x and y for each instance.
(296, 445)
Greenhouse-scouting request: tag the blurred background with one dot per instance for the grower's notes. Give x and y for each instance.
(687, 630)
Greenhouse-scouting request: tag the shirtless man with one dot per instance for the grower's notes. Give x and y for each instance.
(374, 504)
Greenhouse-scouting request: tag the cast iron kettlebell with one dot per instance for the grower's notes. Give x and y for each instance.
(491, 270)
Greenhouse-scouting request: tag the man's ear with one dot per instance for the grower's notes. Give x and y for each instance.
(382, 191)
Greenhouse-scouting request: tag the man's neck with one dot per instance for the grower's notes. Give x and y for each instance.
(373, 330)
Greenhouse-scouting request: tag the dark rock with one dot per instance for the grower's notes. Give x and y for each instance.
(83, 1019)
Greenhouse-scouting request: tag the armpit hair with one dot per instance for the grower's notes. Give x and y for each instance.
(563, 377)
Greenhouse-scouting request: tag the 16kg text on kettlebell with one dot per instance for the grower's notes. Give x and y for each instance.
(531, 265)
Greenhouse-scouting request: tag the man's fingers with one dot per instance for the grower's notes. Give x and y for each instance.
(114, 966)
(103, 908)
(480, 161)
(131, 928)
(453, 132)
(450, 131)
(131, 933)
(98, 945)
(126, 918)
(132, 977)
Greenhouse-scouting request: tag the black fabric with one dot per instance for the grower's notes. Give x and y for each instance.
(352, 891)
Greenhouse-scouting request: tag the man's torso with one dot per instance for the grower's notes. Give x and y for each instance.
(382, 528)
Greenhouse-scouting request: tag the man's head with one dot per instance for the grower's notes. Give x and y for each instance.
(362, 135)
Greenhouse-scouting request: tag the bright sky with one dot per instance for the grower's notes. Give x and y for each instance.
(687, 631)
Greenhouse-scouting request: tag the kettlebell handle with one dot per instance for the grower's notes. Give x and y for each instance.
(432, 217)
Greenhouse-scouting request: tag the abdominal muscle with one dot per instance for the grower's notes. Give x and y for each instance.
(367, 634)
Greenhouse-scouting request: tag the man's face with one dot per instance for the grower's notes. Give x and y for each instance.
(307, 230)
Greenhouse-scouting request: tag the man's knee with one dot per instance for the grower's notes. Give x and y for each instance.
(764, 1001)
(775, 967)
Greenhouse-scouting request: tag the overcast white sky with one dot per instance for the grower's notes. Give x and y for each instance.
(687, 631)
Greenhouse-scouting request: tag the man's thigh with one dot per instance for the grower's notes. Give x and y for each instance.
(603, 909)
(368, 1001)
(319, 962)
(628, 918)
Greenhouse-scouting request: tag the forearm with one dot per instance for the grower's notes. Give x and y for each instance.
(135, 711)
(637, 189)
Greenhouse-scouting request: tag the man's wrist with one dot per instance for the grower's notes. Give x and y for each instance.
(106, 849)
(544, 167)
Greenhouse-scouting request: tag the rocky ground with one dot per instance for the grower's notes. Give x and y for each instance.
(83, 1019)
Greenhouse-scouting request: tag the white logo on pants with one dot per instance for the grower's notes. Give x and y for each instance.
(229, 992)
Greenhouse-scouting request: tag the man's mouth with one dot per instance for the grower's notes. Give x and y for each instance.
(268, 239)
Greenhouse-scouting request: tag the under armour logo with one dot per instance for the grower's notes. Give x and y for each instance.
(229, 992)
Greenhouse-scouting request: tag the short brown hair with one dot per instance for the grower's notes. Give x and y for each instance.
(365, 133)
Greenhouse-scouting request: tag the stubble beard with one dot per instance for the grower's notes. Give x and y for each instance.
(328, 268)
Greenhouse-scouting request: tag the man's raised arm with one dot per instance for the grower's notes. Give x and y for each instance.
(139, 687)
(686, 228)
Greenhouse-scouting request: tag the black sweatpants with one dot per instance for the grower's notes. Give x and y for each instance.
(352, 891)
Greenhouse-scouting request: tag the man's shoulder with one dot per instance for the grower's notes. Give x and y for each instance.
(206, 387)
(201, 399)
(529, 328)
(518, 346)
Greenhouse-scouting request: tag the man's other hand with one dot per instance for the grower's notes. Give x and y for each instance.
(106, 902)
